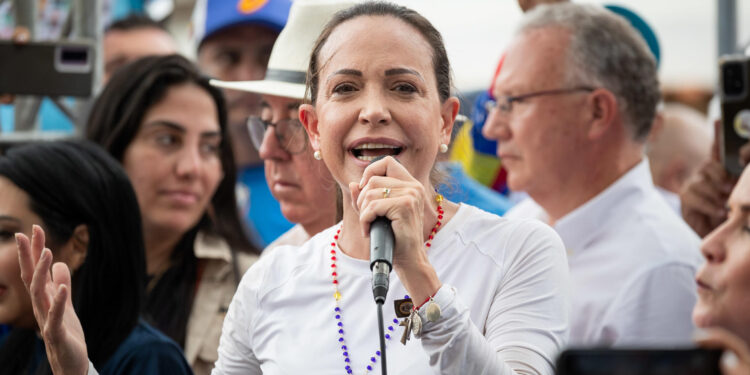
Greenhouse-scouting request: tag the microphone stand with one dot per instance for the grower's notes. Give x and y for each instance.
(381, 256)
(380, 272)
(381, 253)
(384, 370)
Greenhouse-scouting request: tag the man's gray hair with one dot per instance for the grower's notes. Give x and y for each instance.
(605, 51)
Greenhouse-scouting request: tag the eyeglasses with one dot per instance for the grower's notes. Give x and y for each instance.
(289, 133)
(505, 103)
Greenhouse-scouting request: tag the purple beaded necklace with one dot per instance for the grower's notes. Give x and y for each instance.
(337, 314)
(337, 294)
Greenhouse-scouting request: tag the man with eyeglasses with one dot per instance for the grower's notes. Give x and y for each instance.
(233, 40)
(575, 101)
(303, 186)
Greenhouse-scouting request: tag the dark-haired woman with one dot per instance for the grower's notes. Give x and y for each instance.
(168, 127)
(83, 202)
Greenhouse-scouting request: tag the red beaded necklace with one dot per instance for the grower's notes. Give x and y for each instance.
(337, 294)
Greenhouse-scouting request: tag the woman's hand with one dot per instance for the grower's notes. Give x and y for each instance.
(412, 212)
(53, 307)
(736, 357)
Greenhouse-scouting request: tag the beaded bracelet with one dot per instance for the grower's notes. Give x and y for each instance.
(428, 299)
(433, 312)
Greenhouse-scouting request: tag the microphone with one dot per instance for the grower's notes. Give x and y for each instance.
(381, 254)
(381, 258)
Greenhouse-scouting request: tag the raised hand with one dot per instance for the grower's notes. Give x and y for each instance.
(736, 357)
(53, 308)
(704, 197)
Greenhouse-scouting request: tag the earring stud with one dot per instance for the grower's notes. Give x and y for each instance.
(317, 155)
(443, 148)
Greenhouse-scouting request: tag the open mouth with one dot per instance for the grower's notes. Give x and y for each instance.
(370, 151)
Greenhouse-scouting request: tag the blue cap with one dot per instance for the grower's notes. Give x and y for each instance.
(642, 26)
(211, 16)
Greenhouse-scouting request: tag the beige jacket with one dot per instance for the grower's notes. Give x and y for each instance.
(215, 292)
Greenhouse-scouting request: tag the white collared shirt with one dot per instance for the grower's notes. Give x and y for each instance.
(672, 199)
(294, 237)
(632, 265)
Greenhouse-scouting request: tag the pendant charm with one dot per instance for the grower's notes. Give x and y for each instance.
(433, 311)
(406, 323)
(403, 307)
(416, 322)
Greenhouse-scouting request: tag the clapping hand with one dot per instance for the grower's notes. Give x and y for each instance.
(53, 307)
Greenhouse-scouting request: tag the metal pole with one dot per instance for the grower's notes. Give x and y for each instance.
(25, 107)
(24, 12)
(87, 24)
(727, 24)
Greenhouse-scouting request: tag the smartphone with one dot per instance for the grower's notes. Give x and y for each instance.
(691, 361)
(735, 110)
(47, 68)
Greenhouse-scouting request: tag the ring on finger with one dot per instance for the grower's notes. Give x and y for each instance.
(386, 192)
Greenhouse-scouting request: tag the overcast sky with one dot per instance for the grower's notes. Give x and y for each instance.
(476, 32)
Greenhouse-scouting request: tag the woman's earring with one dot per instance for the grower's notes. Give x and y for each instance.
(443, 148)
(317, 155)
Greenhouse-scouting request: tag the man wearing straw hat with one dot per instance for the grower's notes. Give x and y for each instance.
(234, 39)
(304, 188)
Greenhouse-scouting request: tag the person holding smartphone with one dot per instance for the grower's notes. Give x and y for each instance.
(703, 199)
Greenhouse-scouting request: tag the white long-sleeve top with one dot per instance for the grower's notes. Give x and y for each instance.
(632, 265)
(504, 305)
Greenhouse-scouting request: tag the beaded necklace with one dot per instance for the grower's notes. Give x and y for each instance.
(337, 295)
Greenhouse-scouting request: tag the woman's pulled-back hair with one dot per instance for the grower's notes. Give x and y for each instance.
(380, 8)
(72, 183)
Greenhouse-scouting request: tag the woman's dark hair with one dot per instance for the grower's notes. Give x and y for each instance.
(113, 123)
(379, 8)
(118, 112)
(72, 183)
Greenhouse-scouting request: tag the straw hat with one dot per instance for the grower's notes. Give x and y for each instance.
(291, 52)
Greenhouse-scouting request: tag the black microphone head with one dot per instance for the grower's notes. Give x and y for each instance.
(381, 157)
(381, 252)
(377, 158)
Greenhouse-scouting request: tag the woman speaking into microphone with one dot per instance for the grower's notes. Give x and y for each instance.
(489, 294)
